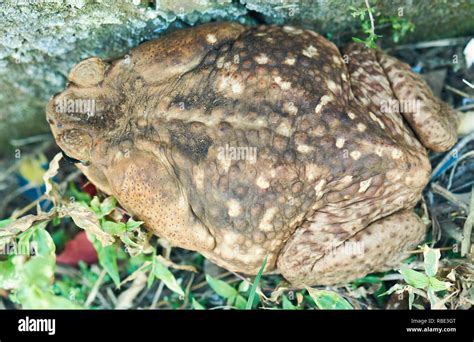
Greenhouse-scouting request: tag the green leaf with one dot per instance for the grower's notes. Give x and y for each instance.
(6, 222)
(196, 305)
(328, 300)
(438, 285)
(108, 260)
(151, 275)
(391, 290)
(358, 40)
(23, 246)
(287, 304)
(25, 238)
(132, 225)
(79, 196)
(43, 241)
(240, 302)
(431, 260)
(253, 290)
(33, 297)
(95, 205)
(415, 278)
(165, 275)
(243, 286)
(9, 277)
(38, 271)
(150, 280)
(114, 228)
(369, 279)
(107, 206)
(432, 297)
(221, 288)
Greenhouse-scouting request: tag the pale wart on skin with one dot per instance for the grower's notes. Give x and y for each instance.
(331, 169)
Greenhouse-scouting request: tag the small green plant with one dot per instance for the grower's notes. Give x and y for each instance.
(425, 284)
(400, 26)
(328, 300)
(27, 276)
(232, 295)
(28, 273)
(366, 17)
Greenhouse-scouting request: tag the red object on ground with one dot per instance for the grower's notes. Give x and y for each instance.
(88, 187)
(79, 248)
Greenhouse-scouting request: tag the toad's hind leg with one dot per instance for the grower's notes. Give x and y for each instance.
(378, 79)
(434, 122)
(308, 259)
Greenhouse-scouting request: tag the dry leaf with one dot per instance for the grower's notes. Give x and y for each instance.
(276, 294)
(51, 172)
(452, 275)
(126, 298)
(22, 224)
(136, 272)
(86, 219)
(169, 263)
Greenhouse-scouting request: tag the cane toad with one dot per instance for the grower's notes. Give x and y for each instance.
(249, 142)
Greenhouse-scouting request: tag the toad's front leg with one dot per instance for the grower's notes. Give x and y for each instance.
(146, 185)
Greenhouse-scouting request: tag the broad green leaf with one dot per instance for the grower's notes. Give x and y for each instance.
(132, 225)
(108, 260)
(165, 275)
(38, 271)
(23, 246)
(415, 278)
(43, 241)
(9, 277)
(113, 228)
(253, 290)
(151, 279)
(287, 304)
(33, 297)
(107, 206)
(438, 285)
(325, 299)
(221, 288)
(431, 260)
(240, 302)
(95, 205)
(39, 238)
(196, 305)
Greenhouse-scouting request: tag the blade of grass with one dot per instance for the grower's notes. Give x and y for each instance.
(253, 290)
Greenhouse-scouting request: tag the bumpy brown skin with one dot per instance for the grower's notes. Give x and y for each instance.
(333, 170)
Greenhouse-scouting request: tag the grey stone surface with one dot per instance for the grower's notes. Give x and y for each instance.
(40, 40)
